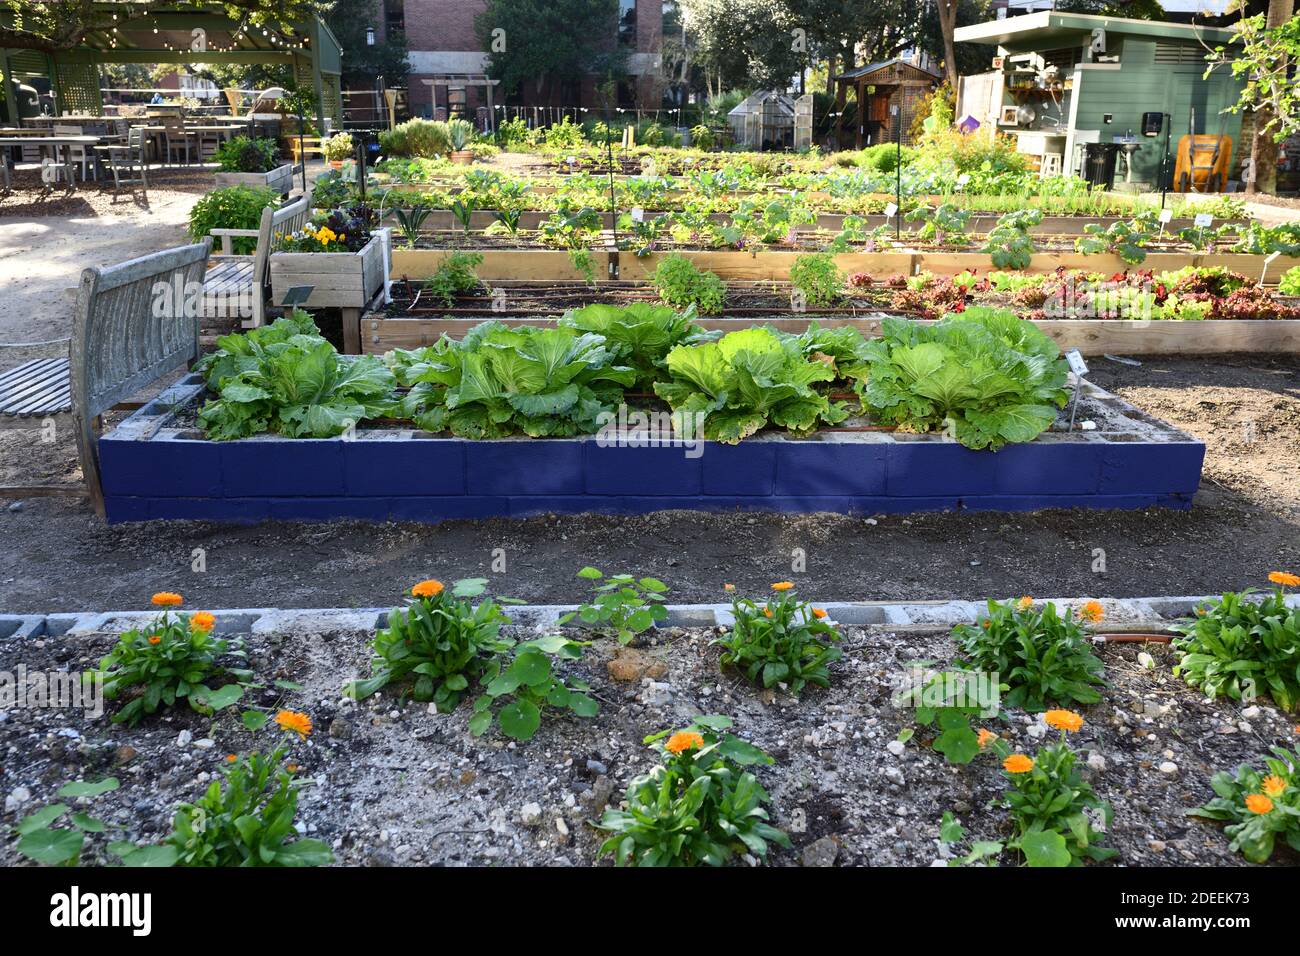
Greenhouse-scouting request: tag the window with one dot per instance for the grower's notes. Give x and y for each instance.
(394, 17)
(627, 22)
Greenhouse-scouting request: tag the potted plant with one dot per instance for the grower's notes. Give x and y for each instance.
(253, 161)
(336, 255)
(337, 148)
(460, 135)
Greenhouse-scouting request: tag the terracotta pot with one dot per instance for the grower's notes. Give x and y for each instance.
(336, 164)
(462, 156)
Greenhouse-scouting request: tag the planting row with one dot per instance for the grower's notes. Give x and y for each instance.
(703, 799)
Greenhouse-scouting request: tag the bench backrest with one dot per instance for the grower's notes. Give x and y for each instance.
(135, 322)
(276, 223)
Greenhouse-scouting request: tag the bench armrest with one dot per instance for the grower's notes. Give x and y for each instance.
(225, 235)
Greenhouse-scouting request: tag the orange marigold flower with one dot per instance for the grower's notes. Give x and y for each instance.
(202, 621)
(1025, 602)
(231, 758)
(291, 767)
(728, 587)
(429, 588)
(684, 740)
(1018, 763)
(1066, 720)
(1091, 611)
(767, 612)
(782, 586)
(166, 599)
(155, 639)
(1258, 803)
(819, 612)
(294, 721)
(986, 737)
(1284, 578)
(1274, 785)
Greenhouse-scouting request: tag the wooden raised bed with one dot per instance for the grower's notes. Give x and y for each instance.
(280, 179)
(503, 263)
(340, 280)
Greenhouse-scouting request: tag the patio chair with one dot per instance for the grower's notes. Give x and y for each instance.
(78, 155)
(177, 138)
(125, 337)
(127, 162)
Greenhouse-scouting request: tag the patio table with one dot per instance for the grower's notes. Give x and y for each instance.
(57, 144)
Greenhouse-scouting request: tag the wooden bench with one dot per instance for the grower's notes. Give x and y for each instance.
(311, 146)
(134, 323)
(237, 286)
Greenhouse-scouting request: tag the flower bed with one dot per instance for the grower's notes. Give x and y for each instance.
(154, 468)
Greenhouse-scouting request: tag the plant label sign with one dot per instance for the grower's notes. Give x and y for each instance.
(962, 180)
(891, 211)
(1166, 216)
(638, 214)
(1203, 220)
(1077, 365)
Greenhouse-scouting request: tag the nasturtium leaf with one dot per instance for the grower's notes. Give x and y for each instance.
(51, 847)
(80, 788)
(520, 719)
(1044, 848)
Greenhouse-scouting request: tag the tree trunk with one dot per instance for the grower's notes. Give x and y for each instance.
(947, 25)
(1263, 147)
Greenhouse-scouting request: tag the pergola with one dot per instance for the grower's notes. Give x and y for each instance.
(182, 36)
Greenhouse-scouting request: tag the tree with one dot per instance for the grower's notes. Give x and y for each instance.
(53, 25)
(1269, 50)
(744, 43)
(561, 39)
(389, 57)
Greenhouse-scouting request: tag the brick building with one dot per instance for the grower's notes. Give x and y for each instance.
(448, 63)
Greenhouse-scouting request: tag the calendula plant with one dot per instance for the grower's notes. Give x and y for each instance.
(1054, 808)
(456, 275)
(440, 639)
(949, 701)
(701, 804)
(1259, 806)
(624, 605)
(247, 819)
(1238, 647)
(174, 658)
(1041, 654)
(527, 685)
(783, 641)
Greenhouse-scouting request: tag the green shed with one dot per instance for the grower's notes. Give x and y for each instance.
(1063, 80)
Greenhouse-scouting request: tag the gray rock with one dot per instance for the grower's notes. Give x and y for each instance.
(1096, 762)
(16, 507)
(530, 814)
(16, 799)
(821, 852)
(340, 729)
(596, 767)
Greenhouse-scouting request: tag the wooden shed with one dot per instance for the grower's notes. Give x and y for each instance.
(879, 87)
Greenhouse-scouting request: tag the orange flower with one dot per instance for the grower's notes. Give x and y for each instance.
(1025, 602)
(1091, 611)
(155, 639)
(767, 611)
(819, 612)
(202, 621)
(1274, 785)
(294, 721)
(684, 740)
(782, 586)
(1066, 720)
(1018, 763)
(1284, 578)
(231, 758)
(986, 737)
(426, 589)
(166, 599)
(987, 624)
(291, 768)
(728, 587)
(1258, 803)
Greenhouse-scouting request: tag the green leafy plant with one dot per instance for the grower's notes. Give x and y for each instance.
(287, 379)
(1009, 244)
(242, 154)
(983, 376)
(749, 379)
(981, 852)
(783, 641)
(440, 640)
(43, 842)
(416, 137)
(1126, 239)
(624, 606)
(639, 336)
(1043, 656)
(681, 285)
(456, 275)
(173, 658)
(1289, 284)
(231, 207)
(1238, 647)
(410, 220)
(815, 276)
(338, 148)
(528, 685)
(700, 805)
(949, 701)
(944, 224)
(1259, 806)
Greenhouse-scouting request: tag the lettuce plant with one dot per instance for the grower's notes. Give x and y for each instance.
(983, 376)
(747, 380)
(638, 335)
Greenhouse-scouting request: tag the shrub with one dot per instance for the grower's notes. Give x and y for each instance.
(513, 133)
(244, 155)
(231, 207)
(680, 284)
(624, 605)
(700, 805)
(816, 277)
(565, 134)
(1289, 284)
(171, 659)
(1238, 648)
(1259, 806)
(703, 138)
(454, 276)
(784, 641)
(338, 148)
(460, 134)
(422, 138)
(1041, 655)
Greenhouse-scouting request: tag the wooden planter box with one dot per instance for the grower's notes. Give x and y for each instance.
(280, 179)
(541, 264)
(340, 280)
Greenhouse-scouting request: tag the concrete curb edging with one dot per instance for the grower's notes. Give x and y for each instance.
(1158, 611)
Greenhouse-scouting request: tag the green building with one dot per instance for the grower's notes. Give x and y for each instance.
(1062, 80)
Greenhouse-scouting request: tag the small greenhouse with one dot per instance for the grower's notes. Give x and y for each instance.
(763, 120)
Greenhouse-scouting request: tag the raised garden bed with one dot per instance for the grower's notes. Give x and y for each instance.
(280, 179)
(337, 279)
(155, 467)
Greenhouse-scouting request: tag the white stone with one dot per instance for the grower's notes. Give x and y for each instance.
(1096, 762)
(183, 738)
(1169, 767)
(16, 799)
(530, 814)
(895, 747)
